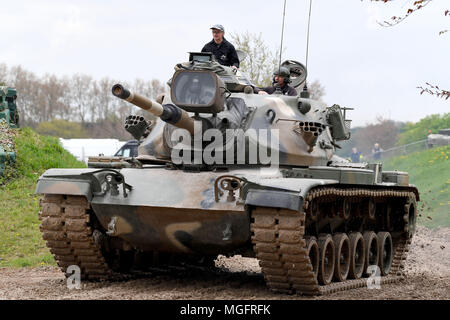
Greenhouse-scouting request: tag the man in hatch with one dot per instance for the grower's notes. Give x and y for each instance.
(281, 80)
(223, 50)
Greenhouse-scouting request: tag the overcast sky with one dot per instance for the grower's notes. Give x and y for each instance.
(373, 69)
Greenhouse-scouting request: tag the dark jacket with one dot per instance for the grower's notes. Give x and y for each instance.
(225, 53)
(287, 90)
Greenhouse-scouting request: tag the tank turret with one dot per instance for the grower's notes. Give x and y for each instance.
(218, 101)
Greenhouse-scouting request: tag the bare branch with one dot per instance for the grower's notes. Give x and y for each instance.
(417, 5)
(435, 91)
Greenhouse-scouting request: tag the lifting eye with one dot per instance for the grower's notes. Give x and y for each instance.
(270, 115)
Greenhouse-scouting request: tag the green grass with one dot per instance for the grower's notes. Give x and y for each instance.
(429, 170)
(21, 243)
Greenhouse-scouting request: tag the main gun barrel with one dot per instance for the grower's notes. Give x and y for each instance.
(168, 112)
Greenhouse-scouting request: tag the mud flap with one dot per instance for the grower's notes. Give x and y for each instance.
(274, 199)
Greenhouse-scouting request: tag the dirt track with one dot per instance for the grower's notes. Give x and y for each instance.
(428, 277)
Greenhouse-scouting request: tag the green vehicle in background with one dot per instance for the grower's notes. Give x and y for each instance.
(9, 118)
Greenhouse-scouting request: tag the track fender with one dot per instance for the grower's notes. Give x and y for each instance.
(286, 193)
(73, 182)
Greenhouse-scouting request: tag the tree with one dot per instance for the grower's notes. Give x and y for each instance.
(395, 20)
(80, 87)
(261, 61)
(78, 98)
(316, 90)
(102, 96)
(3, 74)
(383, 131)
(28, 89)
(158, 88)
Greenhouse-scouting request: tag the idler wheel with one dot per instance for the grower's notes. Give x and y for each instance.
(410, 216)
(357, 256)
(371, 247)
(385, 250)
(327, 260)
(342, 256)
(312, 249)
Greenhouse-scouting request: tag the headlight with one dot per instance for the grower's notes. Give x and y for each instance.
(198, 91)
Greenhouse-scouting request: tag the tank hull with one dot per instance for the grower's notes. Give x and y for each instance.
(195, 231)
(268, 215)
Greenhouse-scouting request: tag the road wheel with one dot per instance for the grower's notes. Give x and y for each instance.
(385, 250)
(312, 249)
(371, 247)
(342, 256)
(327, 259)
(357, 256)
(410, 216)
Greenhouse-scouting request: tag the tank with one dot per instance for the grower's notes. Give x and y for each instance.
(9, 118)
(225, 171)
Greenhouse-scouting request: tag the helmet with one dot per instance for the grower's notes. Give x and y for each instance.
(283, 72)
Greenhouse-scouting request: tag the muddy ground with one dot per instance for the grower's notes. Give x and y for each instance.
(428, 277)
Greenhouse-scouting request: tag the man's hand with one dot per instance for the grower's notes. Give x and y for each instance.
(263, 93)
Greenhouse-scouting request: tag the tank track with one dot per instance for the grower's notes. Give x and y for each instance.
(64, 226)
(278, 237)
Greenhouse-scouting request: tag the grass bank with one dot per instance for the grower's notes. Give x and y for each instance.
(429, 170)
(21, 241)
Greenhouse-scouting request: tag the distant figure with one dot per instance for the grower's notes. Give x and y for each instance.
(223, 50)
(376, 152)
(355, 156)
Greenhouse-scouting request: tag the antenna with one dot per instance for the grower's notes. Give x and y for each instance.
(307, 39)
(305, 88)
(282, 35)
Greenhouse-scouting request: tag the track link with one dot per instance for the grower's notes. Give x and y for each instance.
(278, 236)
(64, 226)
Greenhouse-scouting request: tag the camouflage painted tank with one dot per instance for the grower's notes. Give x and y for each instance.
(226, 171)
(9, 118)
